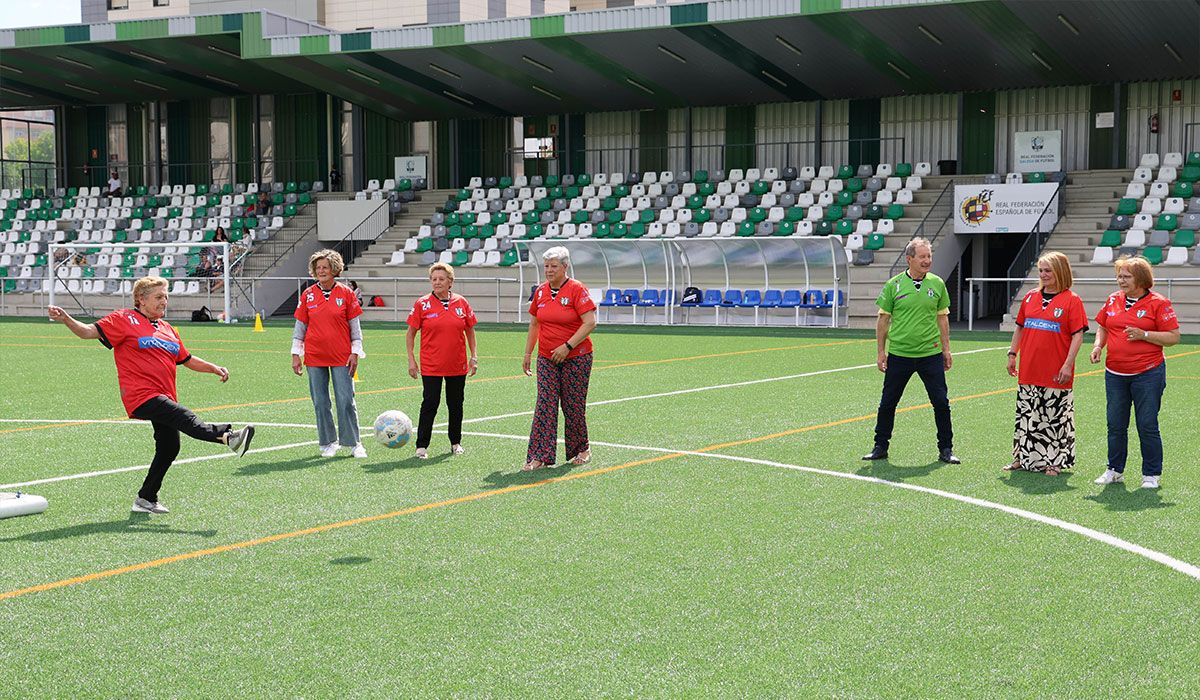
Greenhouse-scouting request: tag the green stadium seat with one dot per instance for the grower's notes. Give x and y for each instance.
(647, 216)
(551, 181)
(695, 202)
(824, 228)
(1166, 222)
(467, 218)
(1185, 238)
(554, 193)
(785, 228)
(609, 204)
(1127, 206)
(505, 182)
(616, 216)
(237, 223)
(290, 210)
(487, 231)
(1182, 189)
(760, 187)
(571, 192)
(794, 214)
(874, 211)
(1193, 159)
(535, 231)
(702, 216)
(1153, 253)
(833, 212)
(460, 258)
(706, 188)
(583, 180)
(1110, 239)
(619, 231)
(424, 245)
(844, 198)
(277, 198)
(463, 195)
(895, 211)
(251, 222)
(74, 192)
(636, 230)
(1190, 173)
(621, 190)
(451, 219)
(854, 184)
(843, 228)
(1035, 177)
(509, 257)
(545, 204)
(757, 215)
(746, 228)
(291, 187)
(581, 217)
(404, 185)
(602, 230)
(471, 231)
(903, 170)
(305, 198)
(700, 176)
(874, 241)
(845, 172)
(455, 231)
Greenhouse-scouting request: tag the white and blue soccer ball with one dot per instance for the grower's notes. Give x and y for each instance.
(393, 429)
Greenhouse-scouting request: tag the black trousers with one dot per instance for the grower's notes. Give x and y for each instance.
(169, 419)
(431, 399)
(932, 371)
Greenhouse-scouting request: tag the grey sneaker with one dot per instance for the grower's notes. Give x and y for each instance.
(1149, 482)
(1109, 477)
(239, 440)
(456, 449)
(141, 505)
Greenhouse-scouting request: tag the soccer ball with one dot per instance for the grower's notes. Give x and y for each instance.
(393, 429)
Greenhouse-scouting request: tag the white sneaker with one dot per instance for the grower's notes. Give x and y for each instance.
(422, 453)
(1149, 482)
(141, 505)
(1109, 477)
(359, 451)
(329, 450)
(456, 449)
(239, 440)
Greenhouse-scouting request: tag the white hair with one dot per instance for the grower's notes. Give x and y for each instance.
(559, 253)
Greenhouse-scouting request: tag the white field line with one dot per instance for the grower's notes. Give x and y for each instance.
(436, 425)
(1159, 557)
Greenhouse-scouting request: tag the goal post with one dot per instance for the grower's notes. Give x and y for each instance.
(57, 284)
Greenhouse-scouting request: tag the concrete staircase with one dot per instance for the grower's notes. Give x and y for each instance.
(1090, 200)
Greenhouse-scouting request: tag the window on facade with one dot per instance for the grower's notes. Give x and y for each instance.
(27, 152)
(118, 4)
(162, 3)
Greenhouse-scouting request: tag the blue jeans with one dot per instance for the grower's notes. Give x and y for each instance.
(1145, 392)
(343, 392)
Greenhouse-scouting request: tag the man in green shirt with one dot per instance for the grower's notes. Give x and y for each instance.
(913, 337)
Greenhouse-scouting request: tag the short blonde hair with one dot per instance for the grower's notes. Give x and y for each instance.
(333, 257)
(1061, 267)
(1139, 267)
(144, 286)
(444, 268)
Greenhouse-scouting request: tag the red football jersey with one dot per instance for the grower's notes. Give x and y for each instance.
(146, 356)
(558, 316)
(1152, 312)
(327, 343)
(443, 339)
(1046, 336)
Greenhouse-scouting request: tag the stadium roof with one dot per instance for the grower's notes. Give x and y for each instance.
(710, 53)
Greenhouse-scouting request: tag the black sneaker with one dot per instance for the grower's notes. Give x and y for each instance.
(876, 452)
(239, 440)
(947, 456)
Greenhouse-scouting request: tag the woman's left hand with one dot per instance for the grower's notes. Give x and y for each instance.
(474, 365)
(1064, 374)
(1134, 333)
(352, 365)
(222, 373)
(559, 354)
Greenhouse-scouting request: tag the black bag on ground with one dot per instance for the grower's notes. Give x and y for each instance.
(202, 314)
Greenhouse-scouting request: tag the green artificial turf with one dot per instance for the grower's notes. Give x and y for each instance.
(655, 573)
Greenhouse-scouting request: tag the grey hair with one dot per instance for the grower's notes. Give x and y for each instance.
(559, 253)
(910, 250)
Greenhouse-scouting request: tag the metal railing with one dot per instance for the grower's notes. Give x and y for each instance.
(1170, 282)
(940, 214)
(1031, 248)
(217, 172)
(351, 246)
(399, 308)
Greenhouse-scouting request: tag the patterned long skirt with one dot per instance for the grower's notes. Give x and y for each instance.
(1045, 428)
(565, 384)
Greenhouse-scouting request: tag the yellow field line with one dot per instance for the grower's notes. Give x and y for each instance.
(440, 504)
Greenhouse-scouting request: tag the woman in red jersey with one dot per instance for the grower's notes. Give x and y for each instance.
(147, 350)
(563, 316)
(447, 327)
(327, 339)
(1135, 325)
(1050, 327)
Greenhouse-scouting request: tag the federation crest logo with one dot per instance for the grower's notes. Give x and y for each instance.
(1037, 143)
(1058, 313)
(1141, 313)
(976, 210)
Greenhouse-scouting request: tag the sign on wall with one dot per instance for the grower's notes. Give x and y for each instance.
(1004, 208)
(1037, 151)
(411, 167)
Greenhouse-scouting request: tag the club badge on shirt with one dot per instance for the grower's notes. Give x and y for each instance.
(1141, 313)
(1058, 313)
(565, 301)
(931, 293)
(339, 301)
(458, 311)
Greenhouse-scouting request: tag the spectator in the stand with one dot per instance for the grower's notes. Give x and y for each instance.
(357, 292)
(114, 185)
(263, 206)
(335, 180)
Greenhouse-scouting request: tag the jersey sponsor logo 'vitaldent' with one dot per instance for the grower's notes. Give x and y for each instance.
(147, 342)
(1041, 324)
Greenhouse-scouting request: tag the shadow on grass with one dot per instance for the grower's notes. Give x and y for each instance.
(1037, 483)
(350, 561)
(411, 463)
(1115, 497)
(139, 523)
(500, 480)
(291, 465)
(884, 469)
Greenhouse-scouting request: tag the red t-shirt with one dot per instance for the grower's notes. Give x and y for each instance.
(1046, 336)
(558, 316)
(1153, 312)
(327, 342)
(443, 339)
(146, 356)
